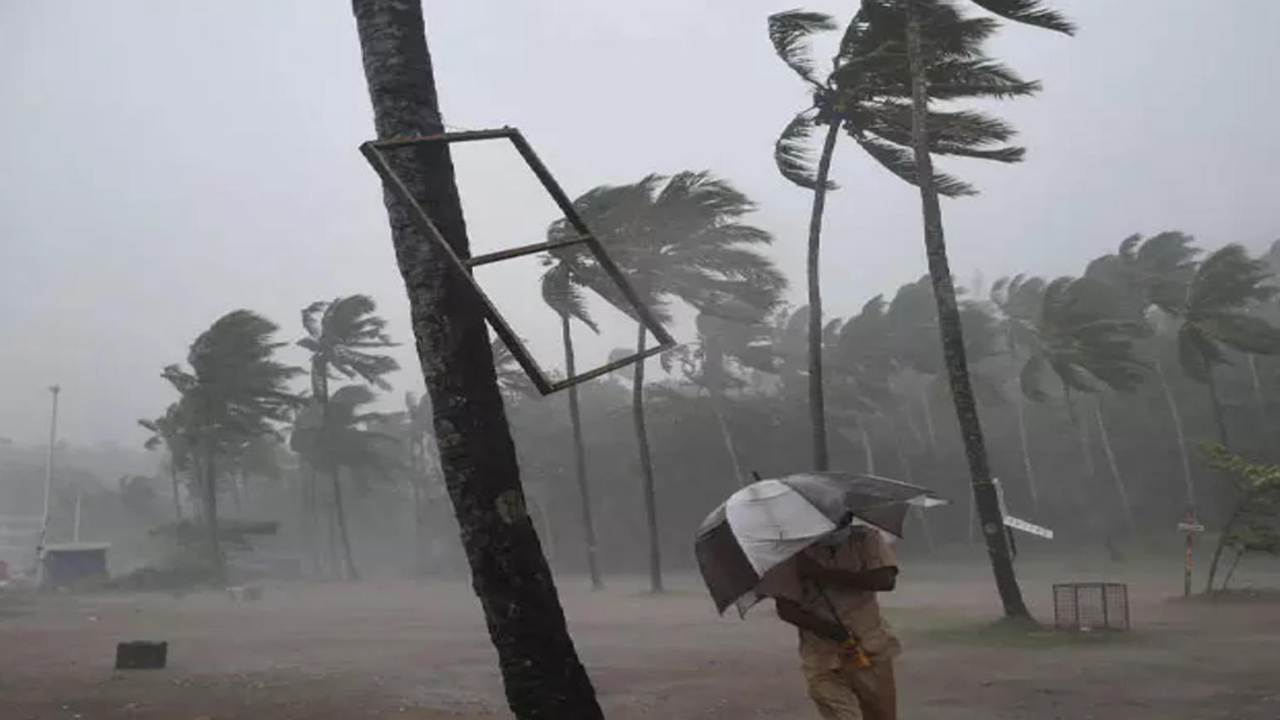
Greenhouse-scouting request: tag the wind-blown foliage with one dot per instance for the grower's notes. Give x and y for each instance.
(235, 390)
(681, 238)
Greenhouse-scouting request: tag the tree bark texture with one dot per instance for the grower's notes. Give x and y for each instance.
(580, 458)
(646, 469)
(542, 675)
(953, 349)
(817, 392)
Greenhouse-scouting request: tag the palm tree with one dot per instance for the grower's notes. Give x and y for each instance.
(172, 431)
(341, 334)
(563, 294)
(1017, 301)
(1215, 316)
(678, 238)
(417, 430)
(1146, 274)
(540, 667)
(927, 59)
(235, 390)
(912, 325)
(865, 95)
(334, 436)
(1078, 334)
(723, 351)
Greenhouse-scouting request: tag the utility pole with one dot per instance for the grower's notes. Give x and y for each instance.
(48, 482)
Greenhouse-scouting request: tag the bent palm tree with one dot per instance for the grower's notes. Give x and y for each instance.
(334, 436)
(926, 59)
(235, 390)
(563, 294)
(540, 667)
(172, 431)
(865, 94)
(341, 334)
(679, 238)
(1078, 335)
(1153, 273)
(1215, 315)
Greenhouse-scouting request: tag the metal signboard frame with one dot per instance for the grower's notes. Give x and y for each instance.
(375, 152)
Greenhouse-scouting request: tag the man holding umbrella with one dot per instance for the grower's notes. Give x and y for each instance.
(815, 543)
(828, 591)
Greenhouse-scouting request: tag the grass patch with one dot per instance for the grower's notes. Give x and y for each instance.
(1021, 634)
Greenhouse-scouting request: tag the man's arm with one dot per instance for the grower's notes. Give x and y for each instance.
(881, 579)
(791, 612)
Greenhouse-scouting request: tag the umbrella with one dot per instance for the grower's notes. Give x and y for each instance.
(767, 522)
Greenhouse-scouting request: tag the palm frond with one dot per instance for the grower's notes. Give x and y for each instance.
(1029, 12)
(790, 32)
(794, 155)
(1229, 280)
(902, 163)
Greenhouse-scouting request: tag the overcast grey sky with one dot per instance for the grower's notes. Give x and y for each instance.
(164, 162)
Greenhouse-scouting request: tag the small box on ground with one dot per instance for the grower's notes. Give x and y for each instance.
(141, 655)
(1089, 606)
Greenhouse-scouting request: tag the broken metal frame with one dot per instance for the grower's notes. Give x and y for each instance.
(373, 152)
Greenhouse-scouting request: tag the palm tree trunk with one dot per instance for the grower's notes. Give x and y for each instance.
(1264, 415)
(1027, 467)
(1115, 467)
(1236, 512)
(1231, 571)
(340, 514)
(817, 399)
(1180, 432)
(540, 668)
(580, 457)
(311, 510)
(726, 436)
(210, 489)
(928, 417)
(953, 349)
(1219, 417)
(177, 498)
(646, 469)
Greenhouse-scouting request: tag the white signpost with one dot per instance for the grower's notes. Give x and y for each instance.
(1018, 523)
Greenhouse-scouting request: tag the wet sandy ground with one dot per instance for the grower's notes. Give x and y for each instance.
(419, 651)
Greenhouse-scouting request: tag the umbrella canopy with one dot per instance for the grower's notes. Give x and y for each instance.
(767, 522)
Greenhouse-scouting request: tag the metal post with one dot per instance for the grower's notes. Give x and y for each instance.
(48, 484)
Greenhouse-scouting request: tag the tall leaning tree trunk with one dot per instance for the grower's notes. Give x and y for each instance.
(1219, 416)
(984, 491)
(646, 469)
(1259, 395)
(1024, 440)
(580, 457)
(1181, 433)
(177, 498)
(817, 398)
(209, 489)
(713, 376)
(1107, 450)
(541, 672)
(349, 573)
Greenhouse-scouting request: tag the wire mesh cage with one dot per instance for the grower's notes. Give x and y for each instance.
(1084, 607)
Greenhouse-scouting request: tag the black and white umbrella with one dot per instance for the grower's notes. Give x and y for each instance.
(767, 522)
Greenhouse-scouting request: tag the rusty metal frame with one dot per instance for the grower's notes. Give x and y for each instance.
(373, 152)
